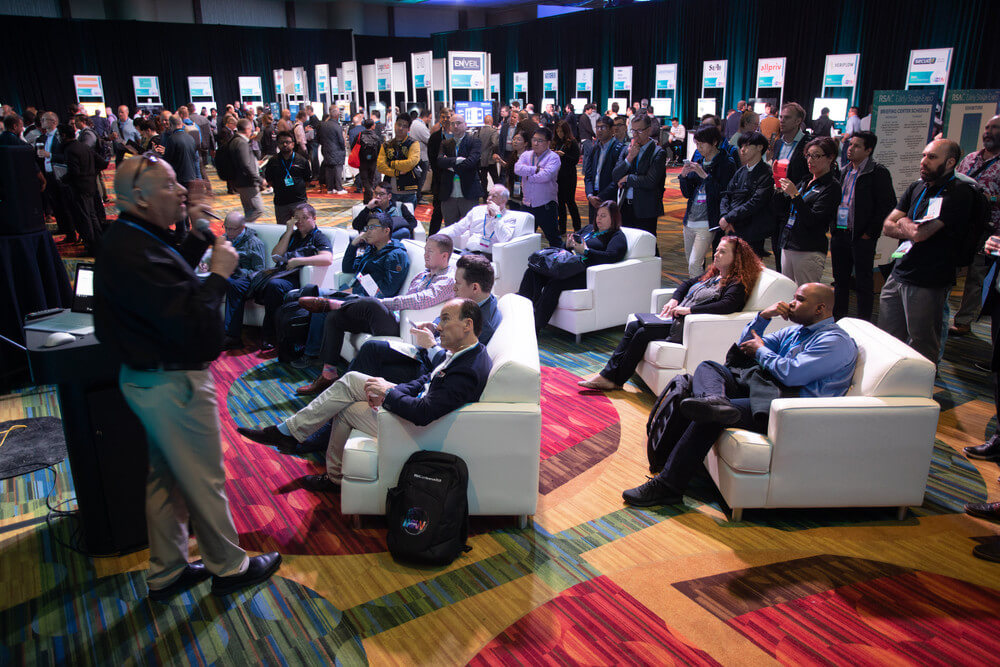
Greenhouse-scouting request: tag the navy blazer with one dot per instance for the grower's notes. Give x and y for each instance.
(461, 382)
(609, 186)
(468, 170)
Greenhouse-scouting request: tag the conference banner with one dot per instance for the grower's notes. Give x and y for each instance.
(965, 116)
(350, 69)
(334, 85)
(622, 78)
(494, 84)
(297, 88)
(520, 83)
(550, 80)
(420, 64)
(713, 73)
(467, 69)
(928, 67)
(88, 86)
(904, 122)
(251, 87)
(383, 74)
(201, 86)
(770, 72)
(585, 80)
(279, 81)
(322, 80)
(666, 77)
(841, 70)
(146, 86)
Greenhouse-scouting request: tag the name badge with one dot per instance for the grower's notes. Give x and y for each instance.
(791, 221)
(289, 182)
(903, 248)
(842, 212)
(517, 188)
(368, 283)
(933, 210)
(700, 198)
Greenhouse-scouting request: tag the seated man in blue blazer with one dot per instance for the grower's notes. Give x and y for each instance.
(353, 400)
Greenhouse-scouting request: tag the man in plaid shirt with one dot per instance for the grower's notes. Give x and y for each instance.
(432, 286)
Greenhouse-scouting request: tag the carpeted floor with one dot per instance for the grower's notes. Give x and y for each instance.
(590, 582)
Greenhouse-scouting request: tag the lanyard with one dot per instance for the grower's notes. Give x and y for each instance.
(791, 151)
(485, 217)
(849, 193)
(983, 167)
(808, 190)
(151, 234)
(288, 166)
(924, 192)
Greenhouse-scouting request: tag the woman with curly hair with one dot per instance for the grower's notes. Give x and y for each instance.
(722, 289)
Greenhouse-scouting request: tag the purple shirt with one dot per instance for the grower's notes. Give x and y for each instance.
(541, 188)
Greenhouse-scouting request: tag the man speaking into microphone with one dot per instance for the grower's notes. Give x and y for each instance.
(166, 325)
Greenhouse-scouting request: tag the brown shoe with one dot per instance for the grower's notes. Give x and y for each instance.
(314, 304)
(959, 329)
(318, 386)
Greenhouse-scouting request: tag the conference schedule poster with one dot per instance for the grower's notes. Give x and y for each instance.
(903, 121)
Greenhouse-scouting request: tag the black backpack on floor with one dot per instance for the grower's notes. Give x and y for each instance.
(663, 424)
(291, 324)
(427, 512)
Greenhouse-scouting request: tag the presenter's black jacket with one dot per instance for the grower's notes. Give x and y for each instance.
(874, 200)
(815, 213)
(746, 202)
(461, 382)
(149, 305)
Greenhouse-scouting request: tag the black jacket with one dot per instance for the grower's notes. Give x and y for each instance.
(82, 166)
(731, 299)
(331, 140)
(245, 172)
(874, 200)
(433, 149)
(149, 306)
(467, 170)
(815, 214)
(181, 150)
(746, 203)
(647, 177)
(567, 164)
(604, 248)
(459, 383)
(720, 172)
(366, 214)
(609, 186)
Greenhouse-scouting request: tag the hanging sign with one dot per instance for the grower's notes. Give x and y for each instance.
(770, 72)
(841, 70)
(420, 64)
(467, 69)
(550, 80)
(928, 67)
(713, 74)
(666, 77)
(966, 114)
(622, 78)
(585, 80)
(520, 83)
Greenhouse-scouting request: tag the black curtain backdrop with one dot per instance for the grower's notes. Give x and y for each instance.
(368, 47)
(42, 55)
(688, 32)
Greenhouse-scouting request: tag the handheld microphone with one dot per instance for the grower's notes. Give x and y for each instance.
(203, 226)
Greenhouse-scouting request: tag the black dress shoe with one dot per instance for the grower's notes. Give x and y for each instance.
(985, 367)
(989, 511)
(269, 436)
(710, 410)
(653, 492)
(260, 569)
(989, 551)
(320, 483)
(192, 575)
(988, 451)
(232, 343)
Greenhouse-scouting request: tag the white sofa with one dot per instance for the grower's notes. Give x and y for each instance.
(324, 276)
(419, 233)
(614, 291)
(499, 437)
(870, 448)
(708, 337)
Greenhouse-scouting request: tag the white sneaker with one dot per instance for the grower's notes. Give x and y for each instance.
(341, 192)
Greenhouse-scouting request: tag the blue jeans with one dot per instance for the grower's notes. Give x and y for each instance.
(404, 199)
(236, 297)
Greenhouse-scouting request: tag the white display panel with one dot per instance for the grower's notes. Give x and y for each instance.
(836, 105)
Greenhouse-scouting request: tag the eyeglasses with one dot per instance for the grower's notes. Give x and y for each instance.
(372, 228)
(816, 156)
(147, 160)
(640, 129)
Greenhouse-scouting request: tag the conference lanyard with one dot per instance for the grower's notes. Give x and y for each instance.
(791, 151)
(289, 181)
(795, 212)
(151, 234)
(924, 192)
(490, 237)
(983, 167)
(843, 211)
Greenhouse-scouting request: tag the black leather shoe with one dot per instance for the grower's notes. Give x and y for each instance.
(710, 410)
(989, 551)
(232, 343)
(989, 511)
(191, 576)
(653, 492)
(320, 483)
(260, 569)
(269, 436)
(988, 451)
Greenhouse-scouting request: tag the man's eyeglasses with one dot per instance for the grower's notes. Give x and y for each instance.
(147, 160)
(372, 228)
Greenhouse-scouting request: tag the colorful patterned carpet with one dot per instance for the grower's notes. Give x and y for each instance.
(590, 582)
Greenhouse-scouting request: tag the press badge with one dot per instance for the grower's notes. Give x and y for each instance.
(903, 248)
(289, 182)
(842, 212)
(933, 210)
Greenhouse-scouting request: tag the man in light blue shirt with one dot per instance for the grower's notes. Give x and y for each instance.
(814, 359)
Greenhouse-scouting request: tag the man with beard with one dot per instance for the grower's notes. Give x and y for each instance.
(984, 167)
(929, 219)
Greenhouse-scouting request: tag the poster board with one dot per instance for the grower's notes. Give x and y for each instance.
(202, 91)
(771, 74)
(903, 121)
(147, 91)
(713, 76)
(621, 81)
(89, 92)
(965, 116)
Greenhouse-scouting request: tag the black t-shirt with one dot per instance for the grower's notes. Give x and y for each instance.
(277, 169)
(931, 262)
(309, 245)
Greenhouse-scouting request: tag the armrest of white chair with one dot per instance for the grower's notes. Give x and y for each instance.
(510, 260)
(708, 337)
(324, 276)
(658, 299)
(620, 288)
(409, 317)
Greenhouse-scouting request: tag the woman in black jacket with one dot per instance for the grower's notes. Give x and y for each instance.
(702, 182)
(600, 243)
(568, 150)
(746, 203)
(723, 289)
(812, 211)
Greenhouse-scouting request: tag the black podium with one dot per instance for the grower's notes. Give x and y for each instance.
(105, 441)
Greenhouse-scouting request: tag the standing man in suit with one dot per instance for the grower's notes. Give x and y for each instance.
(82, 167)
(181, 150)
(246, 175)
(312, 141)
(334, 145)
(421, 133)
(789, 145)
(353, 400)
(598, 165)
(587, 129)
(641, 172)
(489, 143)
(459, 167)
(508, 126)
(442, 132)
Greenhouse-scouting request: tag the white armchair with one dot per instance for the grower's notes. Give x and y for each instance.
(510, 258)
(324, 276)
(708, 337)
(614, 291)
(419, 233)
(499, 437)
(870, 448)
